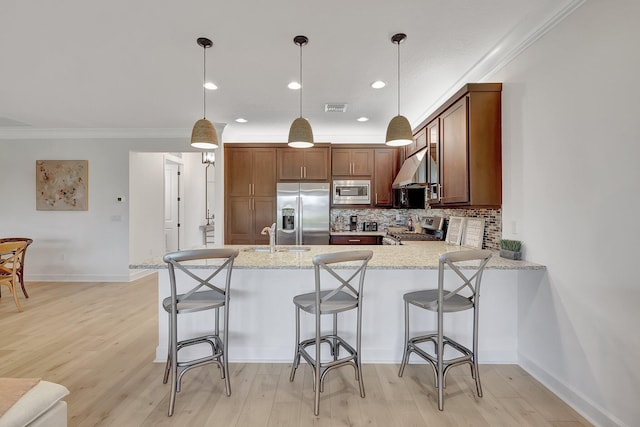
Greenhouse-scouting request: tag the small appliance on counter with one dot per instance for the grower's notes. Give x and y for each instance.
(369, 226)
(353, 223)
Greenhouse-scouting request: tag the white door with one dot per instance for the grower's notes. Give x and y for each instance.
(172, 206)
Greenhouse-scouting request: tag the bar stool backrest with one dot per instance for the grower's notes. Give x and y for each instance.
(475, 260)
(329, 262)
(179, 260)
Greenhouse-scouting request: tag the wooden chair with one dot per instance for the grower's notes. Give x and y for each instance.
(10, 256)
(20, 270)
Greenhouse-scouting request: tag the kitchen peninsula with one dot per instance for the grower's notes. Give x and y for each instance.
(263, 285)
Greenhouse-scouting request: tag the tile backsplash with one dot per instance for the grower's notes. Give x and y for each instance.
(400, 217)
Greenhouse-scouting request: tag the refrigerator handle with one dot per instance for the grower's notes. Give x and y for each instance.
(300, 225)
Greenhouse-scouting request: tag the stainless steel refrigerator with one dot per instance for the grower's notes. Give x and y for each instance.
(302, 213)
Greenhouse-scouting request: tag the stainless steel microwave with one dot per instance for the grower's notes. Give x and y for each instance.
(351, 192)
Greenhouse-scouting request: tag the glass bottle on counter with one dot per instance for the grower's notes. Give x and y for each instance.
(410, 226)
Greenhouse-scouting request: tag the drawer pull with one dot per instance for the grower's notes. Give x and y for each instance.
(354, 240)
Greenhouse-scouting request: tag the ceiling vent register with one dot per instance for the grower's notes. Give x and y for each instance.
(335, 108)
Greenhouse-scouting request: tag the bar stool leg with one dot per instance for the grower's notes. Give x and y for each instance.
(317, 374)
(173, 345)
(358, 359)
(296, 354)
(476, 371)
(225, 358)
(405, 356)
(335, 350)
(167, 367)
(440, 363)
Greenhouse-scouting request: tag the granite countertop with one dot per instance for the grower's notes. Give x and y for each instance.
(408, 256)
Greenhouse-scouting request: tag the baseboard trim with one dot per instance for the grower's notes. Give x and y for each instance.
(131, 276)
(593, 412)
(77, 278)
(139, 274)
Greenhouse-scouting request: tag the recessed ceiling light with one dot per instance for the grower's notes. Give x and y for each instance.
(241, 120)
(210, 86)
(378, 84)
(294, 85)
(363, 119)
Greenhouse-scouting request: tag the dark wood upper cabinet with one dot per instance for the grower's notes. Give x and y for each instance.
(250, 192)
(352, 162)
(238, 162)
(250, 171)
(419, 142)
(386, 167)
(433, 161)
(454, 161)
(465, 147)
(303, 164)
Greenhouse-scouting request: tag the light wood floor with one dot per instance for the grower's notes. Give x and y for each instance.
(99, 339)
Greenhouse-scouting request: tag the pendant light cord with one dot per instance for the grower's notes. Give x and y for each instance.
(204, 77)
(398, 78)
(300, 79)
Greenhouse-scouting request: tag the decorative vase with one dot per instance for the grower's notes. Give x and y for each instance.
(510, 254)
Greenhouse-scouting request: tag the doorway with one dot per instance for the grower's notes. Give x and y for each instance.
(173, 189)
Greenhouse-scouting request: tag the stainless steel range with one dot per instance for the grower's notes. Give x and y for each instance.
(432, 229)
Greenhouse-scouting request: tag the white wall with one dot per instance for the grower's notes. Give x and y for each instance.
(570, 108)
(76, 245)
(146, 237)
(91, 245)
(146, 201)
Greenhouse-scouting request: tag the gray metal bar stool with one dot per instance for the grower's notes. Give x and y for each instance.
(464, 297)
(352, 265)
(211, 298)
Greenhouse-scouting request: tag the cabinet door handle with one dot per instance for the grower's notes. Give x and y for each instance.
(301, 174)
(439, 191)
(376, 198)
(304, 168)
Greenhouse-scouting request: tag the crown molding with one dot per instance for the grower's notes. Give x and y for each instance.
(505, 51)
(103, 133)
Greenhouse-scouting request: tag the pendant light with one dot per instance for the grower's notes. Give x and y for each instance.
(300, 134)
(399, 130)
(204, 134)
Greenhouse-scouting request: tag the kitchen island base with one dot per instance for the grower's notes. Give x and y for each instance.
(262, 314)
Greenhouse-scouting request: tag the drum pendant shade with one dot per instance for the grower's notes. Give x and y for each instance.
(300, 133)
(203, 135)
(399, 130)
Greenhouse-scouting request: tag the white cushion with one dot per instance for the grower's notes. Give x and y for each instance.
(33, 403)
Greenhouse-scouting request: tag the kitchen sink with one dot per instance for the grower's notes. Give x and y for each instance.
(257, 249)
(280, 249)
(294, 249)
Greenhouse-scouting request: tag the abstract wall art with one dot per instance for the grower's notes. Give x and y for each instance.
(62, 185)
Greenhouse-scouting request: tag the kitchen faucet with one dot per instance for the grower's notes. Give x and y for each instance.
(271, 231)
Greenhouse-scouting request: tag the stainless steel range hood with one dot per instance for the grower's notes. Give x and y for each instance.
(413, 172)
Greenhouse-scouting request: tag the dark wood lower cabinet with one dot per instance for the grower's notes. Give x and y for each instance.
(356, 240)
(250, 215)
